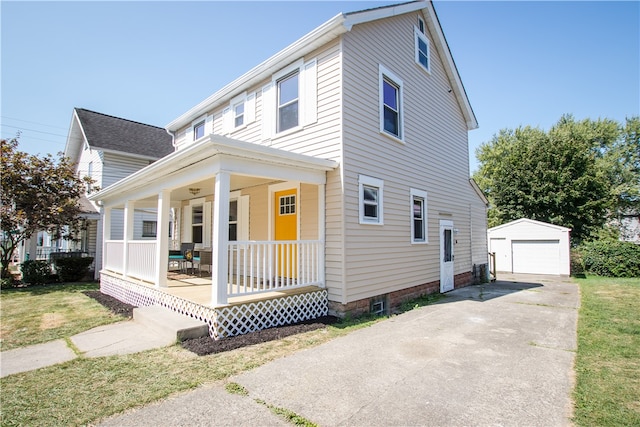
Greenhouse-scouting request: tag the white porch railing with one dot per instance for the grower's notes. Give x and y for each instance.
(259, 266)
(141, 258)
(113, 250)
(254, 266)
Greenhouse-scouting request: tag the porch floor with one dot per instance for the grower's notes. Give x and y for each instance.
(198, 289)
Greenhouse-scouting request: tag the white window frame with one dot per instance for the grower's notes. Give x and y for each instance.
(421, 195)
(386, 74)
(419, 36)
(421, 26)
(297, 100)
(307, 99)
(367, 181)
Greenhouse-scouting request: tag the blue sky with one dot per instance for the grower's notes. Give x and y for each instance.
(522, 63)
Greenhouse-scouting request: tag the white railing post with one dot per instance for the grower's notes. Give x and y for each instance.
(128, 234)
(220, 245)
(106, 234)
(162, 238)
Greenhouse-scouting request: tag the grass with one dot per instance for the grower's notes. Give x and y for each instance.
(85, 390)
(39, 314)
(608, 358)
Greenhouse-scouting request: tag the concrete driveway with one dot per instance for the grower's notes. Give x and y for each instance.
(497, 354)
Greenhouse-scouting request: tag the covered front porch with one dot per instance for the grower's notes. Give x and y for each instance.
(249, 220)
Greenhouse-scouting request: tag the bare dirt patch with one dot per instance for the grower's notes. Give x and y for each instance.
(51, 321)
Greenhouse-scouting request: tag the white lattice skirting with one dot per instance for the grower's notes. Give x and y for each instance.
(225, 321)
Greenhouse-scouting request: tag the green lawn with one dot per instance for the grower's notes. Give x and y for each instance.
(608, 359)
(39, 314)
(84, 390)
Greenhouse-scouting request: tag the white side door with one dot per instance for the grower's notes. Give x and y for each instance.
(446, 255)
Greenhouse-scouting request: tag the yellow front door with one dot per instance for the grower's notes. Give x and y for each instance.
(286, 228)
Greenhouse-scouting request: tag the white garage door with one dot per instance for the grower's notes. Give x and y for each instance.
(536, 256)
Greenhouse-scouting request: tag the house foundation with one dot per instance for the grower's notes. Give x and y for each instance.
(394, 300)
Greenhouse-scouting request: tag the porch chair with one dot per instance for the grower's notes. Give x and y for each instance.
(181, 256)
(204, 259)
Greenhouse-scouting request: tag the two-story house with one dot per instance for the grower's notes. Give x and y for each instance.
(107, 149)
(333, 177)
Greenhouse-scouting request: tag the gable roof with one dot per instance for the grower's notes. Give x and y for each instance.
(114, 134)
(339, 24)
(532, 222)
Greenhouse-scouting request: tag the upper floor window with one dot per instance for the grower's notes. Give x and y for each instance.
(370, 200)
(238, 114)
(390, 104)
(288, 105)
(290, 100)
(198, 130)
(423, 57)
(421, 25)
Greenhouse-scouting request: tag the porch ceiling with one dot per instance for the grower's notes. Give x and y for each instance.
(196, 166)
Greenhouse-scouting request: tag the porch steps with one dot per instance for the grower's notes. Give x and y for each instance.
(169, 324)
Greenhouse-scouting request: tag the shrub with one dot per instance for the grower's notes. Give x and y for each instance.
(72, 269)
(36, 272)
(611, 258)
(577, 263)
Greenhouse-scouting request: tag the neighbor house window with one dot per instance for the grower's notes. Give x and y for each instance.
(197, 217)
(149, 228)
(418, 216)
(198, 130)
(421, 25)
(288, 105)
(423, 57)
(370, 200)
(390, 104)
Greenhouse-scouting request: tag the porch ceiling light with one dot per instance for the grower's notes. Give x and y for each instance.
(194, 190)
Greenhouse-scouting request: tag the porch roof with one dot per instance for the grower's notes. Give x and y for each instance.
(209, 156)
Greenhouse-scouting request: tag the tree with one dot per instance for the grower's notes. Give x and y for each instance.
(37, 193)
(575, 175)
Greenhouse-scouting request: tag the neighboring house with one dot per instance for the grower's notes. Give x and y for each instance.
(107, 149)
(335, 173)
(529, 246)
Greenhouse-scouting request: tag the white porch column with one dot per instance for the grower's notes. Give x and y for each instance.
(162, 238)
(106, 233)
(220, 242)
(129, 208)
(322, 217)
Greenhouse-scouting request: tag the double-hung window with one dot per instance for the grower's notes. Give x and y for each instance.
(238, 114)
(197, 222)
(288, 101)
(198, 130)
(391, 116)
(370, 200)
(418, 216)
(423, 57)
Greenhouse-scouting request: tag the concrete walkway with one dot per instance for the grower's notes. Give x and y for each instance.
(498, 354)
(117, 338)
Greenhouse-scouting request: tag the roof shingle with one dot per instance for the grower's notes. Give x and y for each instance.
(113, 133)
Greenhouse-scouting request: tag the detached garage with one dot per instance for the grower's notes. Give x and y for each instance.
(533, 247)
